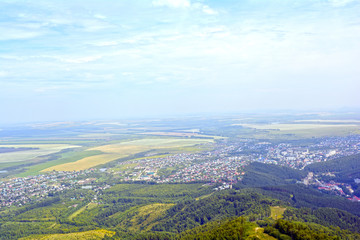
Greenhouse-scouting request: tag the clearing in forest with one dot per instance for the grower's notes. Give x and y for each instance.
(277, 212)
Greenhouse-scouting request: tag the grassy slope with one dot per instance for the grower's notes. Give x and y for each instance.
(91, 235)
(87, 207)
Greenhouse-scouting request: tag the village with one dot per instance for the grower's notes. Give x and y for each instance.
(23, 190)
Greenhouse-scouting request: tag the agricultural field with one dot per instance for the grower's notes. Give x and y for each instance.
(305, 130)
(332, 121)
(66, 157)
(37, 150)
(115, 151)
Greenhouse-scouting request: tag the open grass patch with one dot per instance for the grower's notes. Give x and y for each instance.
(258, 233)
(84, 208)
(144, 217)
(277, 212)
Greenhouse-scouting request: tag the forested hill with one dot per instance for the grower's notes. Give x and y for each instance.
(261, 174)
(343, 164)
(344, 169)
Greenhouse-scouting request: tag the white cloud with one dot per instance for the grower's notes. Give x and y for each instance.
(47, 89)
(17, 34)
(340, 3)
(127, 73)
(185, 4)
(104, 43)
(172, 3)
(99, 16)
(80, 59)
(3, 74)
(206, 9)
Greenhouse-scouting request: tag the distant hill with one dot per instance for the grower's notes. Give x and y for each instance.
(344, 168)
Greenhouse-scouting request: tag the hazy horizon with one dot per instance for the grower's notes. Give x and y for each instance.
(84, 60)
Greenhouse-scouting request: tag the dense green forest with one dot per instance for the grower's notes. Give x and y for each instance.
(325, 216)
(260, 174)
(177, 212)
(287, 230)
(336, 165)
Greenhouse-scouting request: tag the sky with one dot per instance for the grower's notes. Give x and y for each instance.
(107, 59)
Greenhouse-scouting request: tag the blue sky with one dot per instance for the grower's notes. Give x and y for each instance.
(79, 60)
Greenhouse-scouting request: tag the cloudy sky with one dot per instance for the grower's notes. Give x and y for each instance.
(92, 59)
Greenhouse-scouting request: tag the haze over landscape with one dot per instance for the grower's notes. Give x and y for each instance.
(179, 120)
(84, 60)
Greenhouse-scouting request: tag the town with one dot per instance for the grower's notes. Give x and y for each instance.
(224, 164)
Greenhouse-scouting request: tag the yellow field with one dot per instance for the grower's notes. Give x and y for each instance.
(125, 149)
(43, 149)
(89, 235)
(111, 153)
